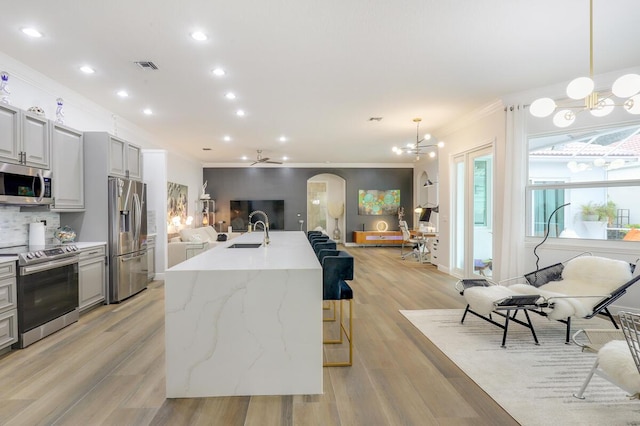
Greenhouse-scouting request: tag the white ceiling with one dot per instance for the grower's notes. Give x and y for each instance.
(315, 71)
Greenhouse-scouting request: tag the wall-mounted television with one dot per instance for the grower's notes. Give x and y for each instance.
(240, 210)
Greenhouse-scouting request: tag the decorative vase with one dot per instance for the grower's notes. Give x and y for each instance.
(337, 234)
(4, 90)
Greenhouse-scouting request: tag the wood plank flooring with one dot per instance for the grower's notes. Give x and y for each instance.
(108, 369)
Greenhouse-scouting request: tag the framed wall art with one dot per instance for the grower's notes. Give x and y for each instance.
(177, 201)
(375, 202)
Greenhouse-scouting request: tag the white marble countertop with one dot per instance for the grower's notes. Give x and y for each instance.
(287, 250)
(5, 259)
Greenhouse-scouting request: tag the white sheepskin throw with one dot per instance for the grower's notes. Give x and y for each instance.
(583, 276)
(615, 360)
(563, 307)
(609, 273)
(481, 299)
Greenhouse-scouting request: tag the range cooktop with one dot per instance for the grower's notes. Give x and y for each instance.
(36, 254)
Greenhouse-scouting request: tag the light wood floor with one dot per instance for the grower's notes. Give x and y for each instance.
(108, 369)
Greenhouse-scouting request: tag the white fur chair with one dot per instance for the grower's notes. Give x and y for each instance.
(583, 287)
(619, 360)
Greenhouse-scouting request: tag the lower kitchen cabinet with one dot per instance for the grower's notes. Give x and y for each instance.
(8, 312)
(92, 277)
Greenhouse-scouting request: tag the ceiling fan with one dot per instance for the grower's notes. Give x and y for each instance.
(260, 159)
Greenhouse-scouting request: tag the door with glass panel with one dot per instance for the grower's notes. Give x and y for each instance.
(472, 246)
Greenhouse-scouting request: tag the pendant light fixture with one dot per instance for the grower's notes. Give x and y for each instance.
(421, 146)
(600, 104)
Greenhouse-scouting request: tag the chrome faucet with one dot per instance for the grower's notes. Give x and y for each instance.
(265, 224)
(266, 230)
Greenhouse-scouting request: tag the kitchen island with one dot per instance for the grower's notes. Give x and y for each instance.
(245, 321)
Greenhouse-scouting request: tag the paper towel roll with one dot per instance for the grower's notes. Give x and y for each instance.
(36, 234)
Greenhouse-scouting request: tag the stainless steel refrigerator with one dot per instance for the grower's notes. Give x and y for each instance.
(127, 238)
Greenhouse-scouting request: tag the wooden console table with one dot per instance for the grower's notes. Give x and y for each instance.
(377, 238)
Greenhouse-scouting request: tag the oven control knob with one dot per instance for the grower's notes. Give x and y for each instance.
(29, 255)
(39, 254)
(67, 249)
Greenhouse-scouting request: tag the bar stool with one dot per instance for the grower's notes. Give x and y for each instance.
(337, 266)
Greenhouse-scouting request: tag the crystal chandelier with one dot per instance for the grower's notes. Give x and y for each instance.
(420, 146)
(600, 104)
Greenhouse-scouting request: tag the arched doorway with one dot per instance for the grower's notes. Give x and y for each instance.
(326, 204)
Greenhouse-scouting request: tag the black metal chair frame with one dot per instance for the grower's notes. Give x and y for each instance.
(537, 279)
(514, 303)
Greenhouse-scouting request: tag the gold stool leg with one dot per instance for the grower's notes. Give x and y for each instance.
(348, 335)
(332, 304)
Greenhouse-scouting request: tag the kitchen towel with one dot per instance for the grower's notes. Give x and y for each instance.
(36, 234)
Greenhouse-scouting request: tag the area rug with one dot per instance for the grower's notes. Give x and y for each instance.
(532, 383)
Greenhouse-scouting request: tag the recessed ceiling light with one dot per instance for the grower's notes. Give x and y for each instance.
(285, 158)
(240, 113)
(219, 72)
(87, 69)
(32, 32)
(244, 158)
(230, 95)
(227, 138)
(282, 138)
(123, 93)
(147, 111)
(199, 36)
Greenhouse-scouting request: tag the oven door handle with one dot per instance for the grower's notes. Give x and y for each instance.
(28, 270)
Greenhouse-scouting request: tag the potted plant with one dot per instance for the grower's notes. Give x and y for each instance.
(607, 212)
(589, 212)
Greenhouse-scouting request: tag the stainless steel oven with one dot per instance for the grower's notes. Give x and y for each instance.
(47, 292)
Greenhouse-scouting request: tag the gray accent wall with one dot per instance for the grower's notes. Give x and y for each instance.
(290, 185)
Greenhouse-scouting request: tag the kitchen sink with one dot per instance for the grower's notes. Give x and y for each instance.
(245, 245)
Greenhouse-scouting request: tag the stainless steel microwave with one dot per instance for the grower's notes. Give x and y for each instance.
(24, 185)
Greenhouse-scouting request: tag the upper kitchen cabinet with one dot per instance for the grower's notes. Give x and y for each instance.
(125, 159)
(24, 138)
(67, 164)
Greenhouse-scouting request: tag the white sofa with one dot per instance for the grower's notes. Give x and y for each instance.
(193, 241)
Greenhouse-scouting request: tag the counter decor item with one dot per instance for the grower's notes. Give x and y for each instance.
(59, 111)
(4, 90)
(65, 234)
(37, 111)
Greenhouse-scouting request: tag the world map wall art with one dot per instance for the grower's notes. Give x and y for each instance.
(378, 202)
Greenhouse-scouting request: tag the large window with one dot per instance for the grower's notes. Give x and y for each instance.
(597, 172)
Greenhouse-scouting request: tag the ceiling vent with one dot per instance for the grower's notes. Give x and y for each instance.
(146, 65)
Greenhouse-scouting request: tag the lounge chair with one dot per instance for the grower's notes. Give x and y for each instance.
(582, 287)
(619, 359)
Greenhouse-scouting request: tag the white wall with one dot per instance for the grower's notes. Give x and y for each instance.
(31, 87)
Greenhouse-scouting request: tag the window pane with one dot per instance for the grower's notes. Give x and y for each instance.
(609, 154)
(598, 212)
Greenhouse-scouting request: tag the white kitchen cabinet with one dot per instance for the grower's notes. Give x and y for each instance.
(151, 257)
(24, 138)
(125, 159)
(8, 312)
(91, 277)
(10, 134)
(67, 164)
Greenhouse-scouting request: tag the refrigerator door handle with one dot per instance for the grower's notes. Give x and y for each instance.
(138, 220)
